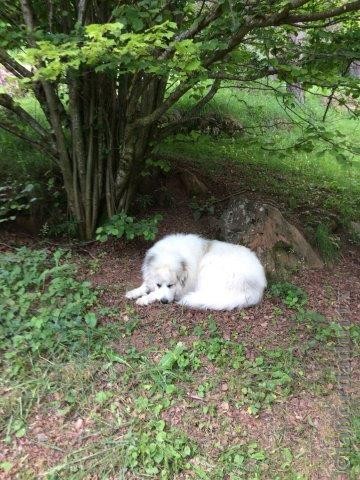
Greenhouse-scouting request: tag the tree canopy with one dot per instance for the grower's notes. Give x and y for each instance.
(106, 72)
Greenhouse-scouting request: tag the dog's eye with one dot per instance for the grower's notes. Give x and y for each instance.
(170, 285)
(158, 285)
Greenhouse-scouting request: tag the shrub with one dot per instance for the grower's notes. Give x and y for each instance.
(14, 199)
(122, 225)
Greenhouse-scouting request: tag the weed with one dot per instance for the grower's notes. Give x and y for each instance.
(323, 331)
(204, 388)
(130, 320)
(354, 331)
(222, 352)
(240, 461)
(354, 449)
(43, 308)
(329, 332)
(158, 451)
(122, 225)
(258, 383)
(292, 296)
(265, 380)
(180, 358)
(66, 227)
(212, 326)
(145, 201)
(328, 244)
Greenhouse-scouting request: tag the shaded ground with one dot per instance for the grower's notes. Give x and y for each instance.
(299, 431)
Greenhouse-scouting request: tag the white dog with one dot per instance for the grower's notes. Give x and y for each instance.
(200, 273)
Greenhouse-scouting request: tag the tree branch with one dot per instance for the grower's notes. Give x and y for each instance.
(28, 18)
(265, 72)
(54, 109)
(81, 10)
(279, 18)
(333, 91)
(170, 127)
(171, 99)
(8, 127)
(195, 28)
(7, 102)
(13, 66)
(312, 17)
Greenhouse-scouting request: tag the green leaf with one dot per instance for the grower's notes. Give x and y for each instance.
(6, 466)
(103, 396)
(258, 456)
(90, 319)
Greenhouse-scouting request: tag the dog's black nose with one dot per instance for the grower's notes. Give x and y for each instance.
(164, 300)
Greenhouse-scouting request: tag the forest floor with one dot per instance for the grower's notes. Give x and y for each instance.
(270, 392)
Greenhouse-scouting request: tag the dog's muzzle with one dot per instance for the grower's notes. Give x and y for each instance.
(164, 300)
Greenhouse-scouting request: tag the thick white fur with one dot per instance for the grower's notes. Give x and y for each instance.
(200, 273)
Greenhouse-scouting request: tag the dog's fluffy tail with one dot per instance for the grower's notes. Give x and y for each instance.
(219, 300)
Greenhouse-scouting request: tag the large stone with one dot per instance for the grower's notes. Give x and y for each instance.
(262, 227)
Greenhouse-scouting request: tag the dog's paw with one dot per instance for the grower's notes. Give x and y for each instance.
(142, 301)
(131, 294)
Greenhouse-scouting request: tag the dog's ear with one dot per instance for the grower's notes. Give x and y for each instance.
(183, 273)
(148, 259)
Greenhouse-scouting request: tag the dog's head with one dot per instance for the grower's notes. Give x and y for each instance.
(166, 275)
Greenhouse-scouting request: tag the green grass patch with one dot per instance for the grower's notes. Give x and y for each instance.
(327, 243)
(319, 177)
(64, 367)
(18, 159)
(354, 442)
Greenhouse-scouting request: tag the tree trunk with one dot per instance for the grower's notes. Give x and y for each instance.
(297, 91)
(105, 152)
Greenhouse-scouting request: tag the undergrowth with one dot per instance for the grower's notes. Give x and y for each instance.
(43, 308)
(63, 365)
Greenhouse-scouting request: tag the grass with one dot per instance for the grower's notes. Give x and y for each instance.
(94, 406)
(18, 160)
(322, 180)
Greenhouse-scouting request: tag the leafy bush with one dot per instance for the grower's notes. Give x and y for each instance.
(291, 295)
(14, 199)
(43, 309)
(122, 225)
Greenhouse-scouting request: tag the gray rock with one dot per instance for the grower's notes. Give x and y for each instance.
(262, 227)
